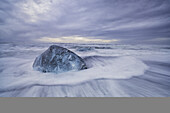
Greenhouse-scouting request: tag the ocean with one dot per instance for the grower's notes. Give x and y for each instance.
(114, 70)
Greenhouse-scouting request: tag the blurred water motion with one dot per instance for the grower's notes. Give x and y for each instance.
(114, 71)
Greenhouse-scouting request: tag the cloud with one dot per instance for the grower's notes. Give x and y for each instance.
(129, 21)
(76, 39)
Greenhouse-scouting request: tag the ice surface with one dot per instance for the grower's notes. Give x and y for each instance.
(114, 70)
(58, 59)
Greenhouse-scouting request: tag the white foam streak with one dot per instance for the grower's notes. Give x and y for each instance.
(24, 75)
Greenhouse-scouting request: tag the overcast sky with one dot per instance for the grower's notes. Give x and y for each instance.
(85, 21)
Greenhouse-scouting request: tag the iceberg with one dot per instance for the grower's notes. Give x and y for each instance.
(57, 59)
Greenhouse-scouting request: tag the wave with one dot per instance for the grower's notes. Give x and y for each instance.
(18, 73)
(122, 71)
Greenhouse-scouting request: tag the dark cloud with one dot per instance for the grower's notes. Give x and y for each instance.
(130, 21)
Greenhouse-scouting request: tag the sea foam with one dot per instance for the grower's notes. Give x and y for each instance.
(18, 73)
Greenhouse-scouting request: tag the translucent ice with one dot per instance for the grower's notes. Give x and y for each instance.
(58, 59)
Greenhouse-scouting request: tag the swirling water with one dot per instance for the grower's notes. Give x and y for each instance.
(113, 71)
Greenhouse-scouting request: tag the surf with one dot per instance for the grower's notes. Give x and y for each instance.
(99, 67)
